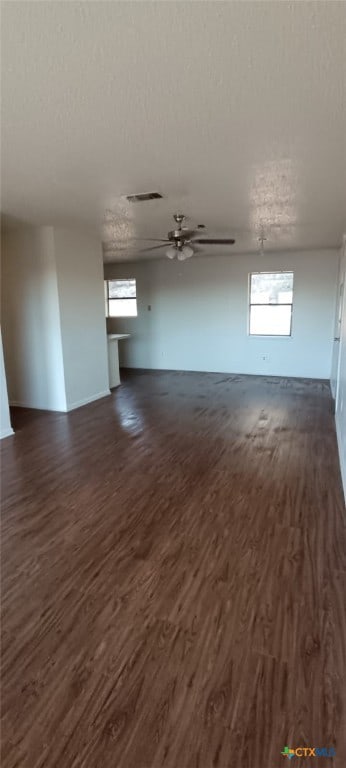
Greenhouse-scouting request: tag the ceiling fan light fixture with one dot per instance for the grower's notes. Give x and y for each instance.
(187, 251)
(180, 252)
(171, 252)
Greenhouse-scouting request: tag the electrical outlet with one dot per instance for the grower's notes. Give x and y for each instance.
(265, 357)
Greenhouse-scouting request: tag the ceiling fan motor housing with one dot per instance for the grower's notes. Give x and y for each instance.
(180, 234)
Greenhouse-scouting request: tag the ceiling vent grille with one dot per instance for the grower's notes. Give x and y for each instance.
(143, 197)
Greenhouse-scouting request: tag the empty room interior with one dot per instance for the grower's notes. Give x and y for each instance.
(173, 384)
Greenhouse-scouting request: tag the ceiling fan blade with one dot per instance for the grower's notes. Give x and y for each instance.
(154, 247)
(214, 241)
(152, 239)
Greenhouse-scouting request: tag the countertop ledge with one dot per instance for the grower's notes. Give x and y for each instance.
(117, 336)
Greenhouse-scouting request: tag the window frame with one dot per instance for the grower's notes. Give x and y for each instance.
(119, 298)
(269, 304)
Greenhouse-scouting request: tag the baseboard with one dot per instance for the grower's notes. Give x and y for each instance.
(317, 379)
(6, 433)
(86, 400)
(70, 407)
(24, 404)
(341, 458)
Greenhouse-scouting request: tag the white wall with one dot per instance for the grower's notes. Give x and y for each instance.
(199, 315)
(83, 326)
(53, 322)
(31, 320)
(340, 405)
(5, 420)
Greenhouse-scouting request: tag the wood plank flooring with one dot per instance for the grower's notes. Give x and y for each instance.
(174, 578)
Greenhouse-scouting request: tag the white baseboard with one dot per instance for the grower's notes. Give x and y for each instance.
(86, 400)
(6, 433)
(341, 458)
(70, 407)
(24, 404)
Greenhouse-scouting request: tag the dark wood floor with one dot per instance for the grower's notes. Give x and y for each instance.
(173, 578)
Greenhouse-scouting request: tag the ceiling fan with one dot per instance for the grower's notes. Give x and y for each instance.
(184, 242)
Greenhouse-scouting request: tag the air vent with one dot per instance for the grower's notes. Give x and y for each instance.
(143, 197)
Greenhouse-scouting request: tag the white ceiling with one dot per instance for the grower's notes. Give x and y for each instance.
(234, 111)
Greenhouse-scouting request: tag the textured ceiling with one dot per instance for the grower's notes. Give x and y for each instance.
(234, 111)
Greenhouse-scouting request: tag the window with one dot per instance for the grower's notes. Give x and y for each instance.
(271, 297)
(121, 298)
